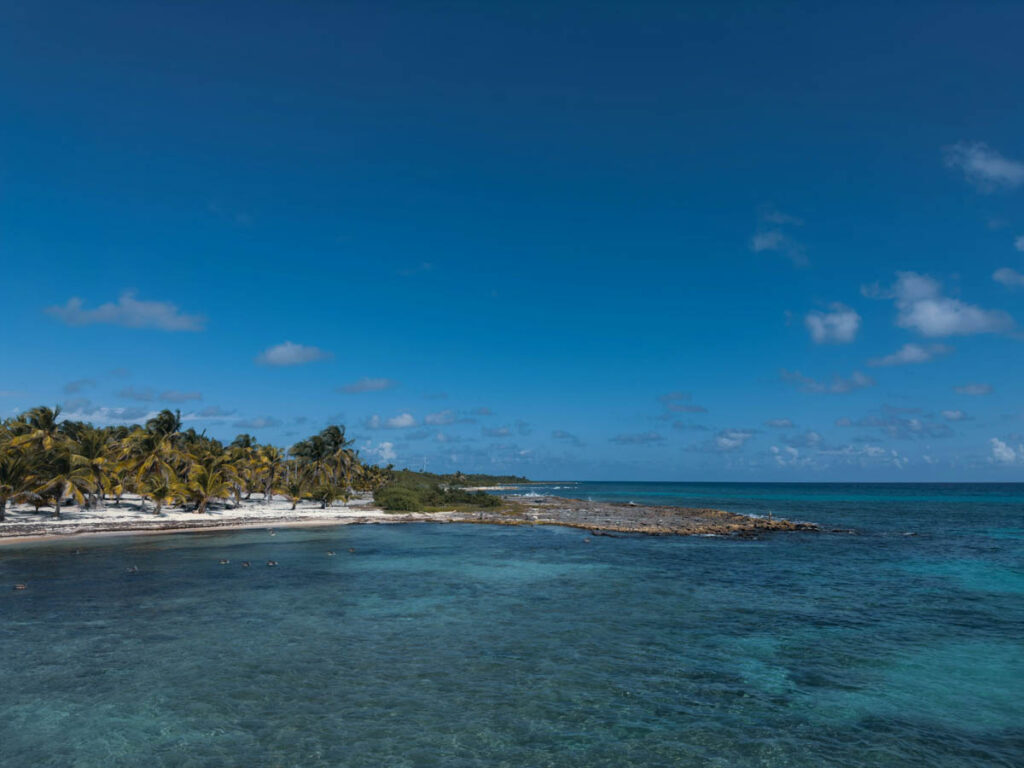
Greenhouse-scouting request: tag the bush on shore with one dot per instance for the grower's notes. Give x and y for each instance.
(397, 498)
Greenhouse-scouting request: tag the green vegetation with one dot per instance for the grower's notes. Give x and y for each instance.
(408, 491)
(45, 462)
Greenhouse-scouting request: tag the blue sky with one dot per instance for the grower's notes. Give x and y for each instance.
(603, 241)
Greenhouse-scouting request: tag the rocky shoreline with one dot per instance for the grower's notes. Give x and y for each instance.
(605, 517)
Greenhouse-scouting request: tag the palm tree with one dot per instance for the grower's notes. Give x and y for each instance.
(94, 448)
(62, 475)
(160, 490)
(206, 484)
(325, 493)
(271, 461)
(39, 429)
(295, 489)
(14, 478)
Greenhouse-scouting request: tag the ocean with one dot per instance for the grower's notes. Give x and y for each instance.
(900, 643)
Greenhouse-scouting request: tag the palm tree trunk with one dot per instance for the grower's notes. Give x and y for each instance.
(159, 506)
(202, 506)
(3, 508)
(56, 502)
(294, 503)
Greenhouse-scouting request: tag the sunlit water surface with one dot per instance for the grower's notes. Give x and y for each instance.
(459, 645)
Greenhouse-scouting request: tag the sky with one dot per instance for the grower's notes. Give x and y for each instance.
(652, 241)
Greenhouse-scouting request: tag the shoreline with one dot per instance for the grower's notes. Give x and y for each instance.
(599, 518)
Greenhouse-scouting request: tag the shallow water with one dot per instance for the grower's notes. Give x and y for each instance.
(478, 646)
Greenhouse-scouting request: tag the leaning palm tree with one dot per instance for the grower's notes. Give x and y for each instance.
(14, 478)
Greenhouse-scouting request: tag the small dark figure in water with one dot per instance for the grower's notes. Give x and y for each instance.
(271, 563)
(273, 532)
(245, 563)
(224, 562)
(352, 551)
(330, 553)
(133, 569)
(19, 587)
(77, 552)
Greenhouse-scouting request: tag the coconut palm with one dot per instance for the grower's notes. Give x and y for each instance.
(38, 429)
(295, 489)
(270, 463)
(14, 477)
(63, 474)
(205, 484)
(94, 446)
(160, 490)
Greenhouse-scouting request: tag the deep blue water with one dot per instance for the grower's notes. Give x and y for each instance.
(454, 645)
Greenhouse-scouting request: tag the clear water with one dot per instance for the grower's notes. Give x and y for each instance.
(448, 645)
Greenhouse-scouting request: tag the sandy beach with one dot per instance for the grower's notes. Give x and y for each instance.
(23, 523)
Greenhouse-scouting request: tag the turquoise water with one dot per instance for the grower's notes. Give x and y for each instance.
(457, 645)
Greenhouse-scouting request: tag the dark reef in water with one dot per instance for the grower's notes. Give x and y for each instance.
(629, 518)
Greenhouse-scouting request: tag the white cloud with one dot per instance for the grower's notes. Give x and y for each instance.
(1011, 278)
(922, 308)
(291, 354)
(771, 237)
(954, 415)
(984, 167)
(910, 354)
(837, 386)
(1019, 243)
(780, 423)
(732, 439)
(401, 421)
(128, 312)
(386, 451)
(974, 389)
(367, 384)
(1002, 453)
(789, 457)
(772, 240)
(839, 326)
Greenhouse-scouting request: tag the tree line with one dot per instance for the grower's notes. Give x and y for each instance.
(46, 461)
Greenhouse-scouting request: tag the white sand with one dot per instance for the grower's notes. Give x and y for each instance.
(23, 521)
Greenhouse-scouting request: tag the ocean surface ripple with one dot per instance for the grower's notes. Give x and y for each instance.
(899, 645)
